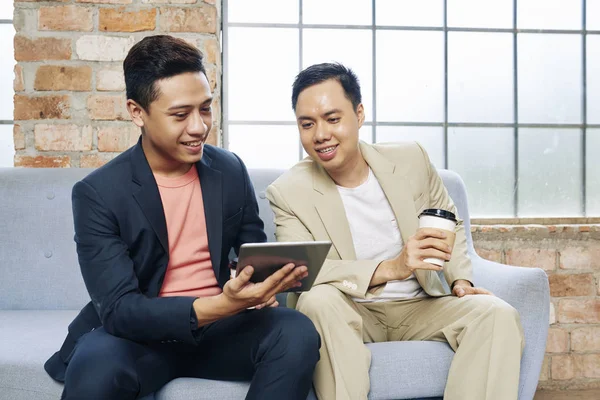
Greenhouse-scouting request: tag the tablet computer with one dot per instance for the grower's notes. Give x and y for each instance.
(266, 258)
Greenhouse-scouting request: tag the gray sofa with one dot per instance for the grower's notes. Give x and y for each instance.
(41, 290)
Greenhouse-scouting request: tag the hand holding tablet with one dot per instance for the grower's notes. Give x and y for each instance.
(267, 258)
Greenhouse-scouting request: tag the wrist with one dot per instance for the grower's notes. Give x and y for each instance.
(228, 305)
(461, 283)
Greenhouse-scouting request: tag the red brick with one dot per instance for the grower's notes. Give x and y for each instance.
(586, 258)
(488, 254)
(531, 257)
(60, 77)
(18, 82)
(566, 367)
(60, 137)
(42, 161)
(579, 311)
(558, 341)
(591, 365)
(201, 18)
(117, 20)
(18, 137)
(571, 285)
(586, 339)
(65, 18)
(104, 107)
(584, 228)
(42, 107)
(117, 138)
(94, 160)
(42, 49)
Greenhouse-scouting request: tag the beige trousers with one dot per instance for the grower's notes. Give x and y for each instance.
(484, 331)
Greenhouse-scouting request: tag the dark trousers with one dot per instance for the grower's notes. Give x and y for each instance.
(274, 348)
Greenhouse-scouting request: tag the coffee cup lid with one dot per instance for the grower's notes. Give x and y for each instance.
(436, 212)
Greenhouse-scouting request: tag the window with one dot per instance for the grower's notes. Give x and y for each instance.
(506, 93)
(7, 32)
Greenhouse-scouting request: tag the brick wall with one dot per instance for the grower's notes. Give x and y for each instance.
(69, 100)
(570, 255)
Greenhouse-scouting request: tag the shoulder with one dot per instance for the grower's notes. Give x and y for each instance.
(112, 175)
(297, 179)
(223, 159)
(404, 152)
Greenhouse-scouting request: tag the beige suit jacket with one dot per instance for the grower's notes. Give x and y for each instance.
(307, 206)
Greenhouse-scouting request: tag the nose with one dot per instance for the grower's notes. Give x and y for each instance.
(322, 133)
(196, 125)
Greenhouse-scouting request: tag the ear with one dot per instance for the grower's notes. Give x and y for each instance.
(360, 113)
(136, 112)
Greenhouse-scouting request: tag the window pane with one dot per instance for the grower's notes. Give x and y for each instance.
(592, 11)
(265, 146)
(279, 11)
(593, 79)
(484, 158)
(550, 78)
(409, 12)
(550, 172)
(410, 76)
(480, 14)
(337, 12)
(337, 45)
(7, 146)
(592, 194)
(263, 63)
(480, 77)
(549, 14)
(6, 11)
(430, 137)
(7, 65)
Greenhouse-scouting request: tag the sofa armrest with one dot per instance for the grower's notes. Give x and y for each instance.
(528, 291)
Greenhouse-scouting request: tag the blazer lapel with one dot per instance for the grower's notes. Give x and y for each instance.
(398, 192)
(145, 191)
(212, 196)
(331, 211)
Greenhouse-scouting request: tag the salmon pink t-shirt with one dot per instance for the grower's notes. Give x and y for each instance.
(189, 272)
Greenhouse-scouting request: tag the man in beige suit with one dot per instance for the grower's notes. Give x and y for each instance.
(374, 285)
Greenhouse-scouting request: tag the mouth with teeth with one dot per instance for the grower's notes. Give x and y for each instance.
(327, 153)
(327, 150)
(192, 144)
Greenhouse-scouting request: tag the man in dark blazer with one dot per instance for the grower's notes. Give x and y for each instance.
(153, 229)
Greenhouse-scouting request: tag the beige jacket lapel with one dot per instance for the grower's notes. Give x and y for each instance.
(331, 211)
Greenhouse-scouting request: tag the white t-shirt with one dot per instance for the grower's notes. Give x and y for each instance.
(375, 234)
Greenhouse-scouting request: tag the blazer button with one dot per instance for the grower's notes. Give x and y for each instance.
(48, 254)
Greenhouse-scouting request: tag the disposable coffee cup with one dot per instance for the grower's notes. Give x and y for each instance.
(439, 219)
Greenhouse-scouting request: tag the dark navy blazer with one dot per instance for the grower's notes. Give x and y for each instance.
(122, 245)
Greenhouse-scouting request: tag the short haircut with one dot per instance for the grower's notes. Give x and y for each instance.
(155, 58)
(319, 73)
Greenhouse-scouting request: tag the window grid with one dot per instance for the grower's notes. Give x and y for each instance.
(445, 124)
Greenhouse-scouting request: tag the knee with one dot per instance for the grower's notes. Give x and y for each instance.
(298, 340)
(506, 316)
(95, 372)
(320, 301)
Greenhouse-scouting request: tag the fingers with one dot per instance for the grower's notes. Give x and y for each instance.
(424, 233)
(461, 291)
(433, 243)
(272, 302)
(292, 279)
(434, 253)
(277, 277)
(242, 279)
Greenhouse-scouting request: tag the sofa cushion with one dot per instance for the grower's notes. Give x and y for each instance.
(28, 338)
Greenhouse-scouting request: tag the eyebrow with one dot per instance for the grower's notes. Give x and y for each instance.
(327, 114)
(178, 106)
